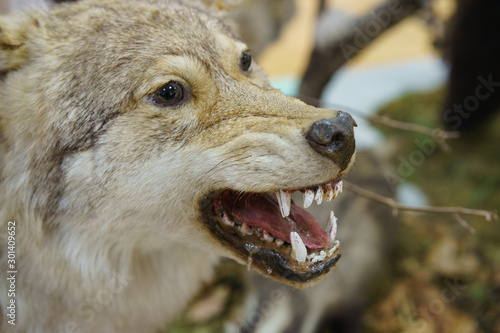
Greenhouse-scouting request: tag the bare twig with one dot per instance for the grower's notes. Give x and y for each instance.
(464, 223)
(439, 135)
(396, 206)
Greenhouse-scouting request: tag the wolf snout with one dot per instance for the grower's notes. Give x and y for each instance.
(334, 138)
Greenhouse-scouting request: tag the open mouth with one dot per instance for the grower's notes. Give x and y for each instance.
(272, 234)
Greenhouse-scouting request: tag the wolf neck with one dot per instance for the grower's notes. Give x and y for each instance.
(159, 281)
(174, 266)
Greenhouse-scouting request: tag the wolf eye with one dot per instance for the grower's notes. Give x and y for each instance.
(169, 94)
(245, 61)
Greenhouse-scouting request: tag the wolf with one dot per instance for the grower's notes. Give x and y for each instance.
(139, 144)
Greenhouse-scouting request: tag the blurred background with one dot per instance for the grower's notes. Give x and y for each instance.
(433, 63)
(430, 69)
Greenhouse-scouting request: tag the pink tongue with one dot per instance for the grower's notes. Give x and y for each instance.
(262, 211)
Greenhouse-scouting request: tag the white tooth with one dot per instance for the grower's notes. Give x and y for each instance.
(319, 195)
(339, 187)
(279, 242)
(245, 229)
(298, 247)
(308, 198)
(226, 220)
(329, 192)
(331, 226)
(266, 237)
(285, 201)
(336, 245)
(317, 256)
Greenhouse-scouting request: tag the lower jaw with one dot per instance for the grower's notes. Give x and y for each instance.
(274, 261)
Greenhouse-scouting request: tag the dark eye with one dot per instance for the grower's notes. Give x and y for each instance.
(245, 61)
(169, 94)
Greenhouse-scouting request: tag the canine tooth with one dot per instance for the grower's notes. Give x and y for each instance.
(308, 198)
(245, 229)
(226, 220)
(279, 242)
(339, 187)
(319, 195)
(298, 247)
(267, 237)
(285, 201)
(331, 226)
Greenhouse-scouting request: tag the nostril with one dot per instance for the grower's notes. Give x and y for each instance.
(321, 132)
(338, 138)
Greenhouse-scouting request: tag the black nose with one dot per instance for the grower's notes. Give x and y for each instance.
(334, 138)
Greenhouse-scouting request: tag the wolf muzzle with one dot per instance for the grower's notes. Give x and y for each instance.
(334, 138)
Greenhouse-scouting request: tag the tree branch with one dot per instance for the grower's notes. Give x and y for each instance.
(439, 135)
(396, 206)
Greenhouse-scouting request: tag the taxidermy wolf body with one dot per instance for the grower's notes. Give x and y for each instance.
(139, 144)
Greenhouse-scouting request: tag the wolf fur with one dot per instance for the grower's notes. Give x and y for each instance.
(103, 185)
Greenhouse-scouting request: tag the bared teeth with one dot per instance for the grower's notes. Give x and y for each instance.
(328, 192)
(319, 195)
(336, 245)
(331, 226)
(321, 255)
(299, 249)
(226, 220)
(285, 202)
(267, 237)
(308, 198)
(317, 257)
(339, 187)
(245, 229)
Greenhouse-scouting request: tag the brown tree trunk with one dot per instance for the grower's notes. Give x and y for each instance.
(325, 62)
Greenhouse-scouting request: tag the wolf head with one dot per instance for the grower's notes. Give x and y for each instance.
(148, 124)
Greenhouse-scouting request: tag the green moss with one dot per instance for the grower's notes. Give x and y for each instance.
(468, 176)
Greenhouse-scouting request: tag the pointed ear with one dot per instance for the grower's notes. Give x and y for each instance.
(13, 41)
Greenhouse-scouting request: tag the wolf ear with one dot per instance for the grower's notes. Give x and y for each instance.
(13, 41)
